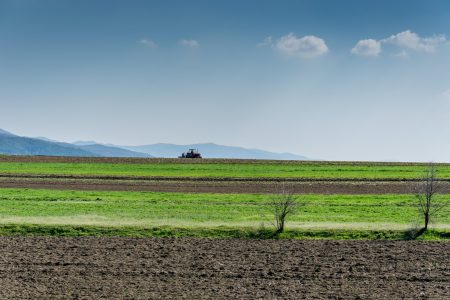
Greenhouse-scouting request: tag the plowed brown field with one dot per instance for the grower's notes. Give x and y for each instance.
(127, 268)
(206, 186)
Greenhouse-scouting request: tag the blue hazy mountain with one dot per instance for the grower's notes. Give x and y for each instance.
(108, 151)
(6, 133)
(18, 145)
(210, 150)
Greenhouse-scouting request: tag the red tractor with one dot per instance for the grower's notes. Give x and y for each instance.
(192, 153)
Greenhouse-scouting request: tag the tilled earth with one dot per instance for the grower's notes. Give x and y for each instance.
(212, 186)
(187, 268)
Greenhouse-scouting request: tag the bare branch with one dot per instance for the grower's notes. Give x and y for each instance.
(283, 204)
(426, 192)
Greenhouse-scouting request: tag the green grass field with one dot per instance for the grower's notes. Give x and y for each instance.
(227, 170)
(124, 212)
(28, 211)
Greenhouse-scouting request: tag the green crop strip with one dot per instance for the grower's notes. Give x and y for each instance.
(225, 170)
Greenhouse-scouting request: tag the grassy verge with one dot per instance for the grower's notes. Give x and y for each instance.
(99, 208)
(100, 213)
(220, 232)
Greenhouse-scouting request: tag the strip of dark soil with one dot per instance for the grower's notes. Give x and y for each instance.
(227, 187)
(187, 268)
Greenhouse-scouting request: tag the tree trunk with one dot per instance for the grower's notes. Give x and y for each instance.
(280, 227)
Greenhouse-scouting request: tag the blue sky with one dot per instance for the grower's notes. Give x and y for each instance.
(341, 80)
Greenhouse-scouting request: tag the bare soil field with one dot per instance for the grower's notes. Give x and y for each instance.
(212, 186)
(187, 268)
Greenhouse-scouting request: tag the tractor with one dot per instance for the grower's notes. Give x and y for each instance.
(192, 153)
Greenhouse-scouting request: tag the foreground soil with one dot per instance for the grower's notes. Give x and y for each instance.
(187, 268)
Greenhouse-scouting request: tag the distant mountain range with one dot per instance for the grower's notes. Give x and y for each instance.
(210, 150)
(18, 145)
(111, 151)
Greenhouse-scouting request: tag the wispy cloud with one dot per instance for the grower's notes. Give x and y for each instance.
(406, 41)
(369, 47)
(148, 43)
(189, 43)
(401, 54)
(411, 40)
(308, 46)
(268, 41)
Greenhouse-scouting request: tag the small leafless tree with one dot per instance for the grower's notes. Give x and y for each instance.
(426, 191)
(282, 205)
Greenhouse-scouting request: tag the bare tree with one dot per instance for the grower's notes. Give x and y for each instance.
(282, 205)
(426, 191)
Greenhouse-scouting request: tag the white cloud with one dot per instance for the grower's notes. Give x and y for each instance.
(406, 40)
(308, 46)
(411, 40)
(148, 43)
(189, 43)
(268, 41)
(369, 47)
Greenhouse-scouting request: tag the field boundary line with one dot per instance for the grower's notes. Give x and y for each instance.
(215, 179)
